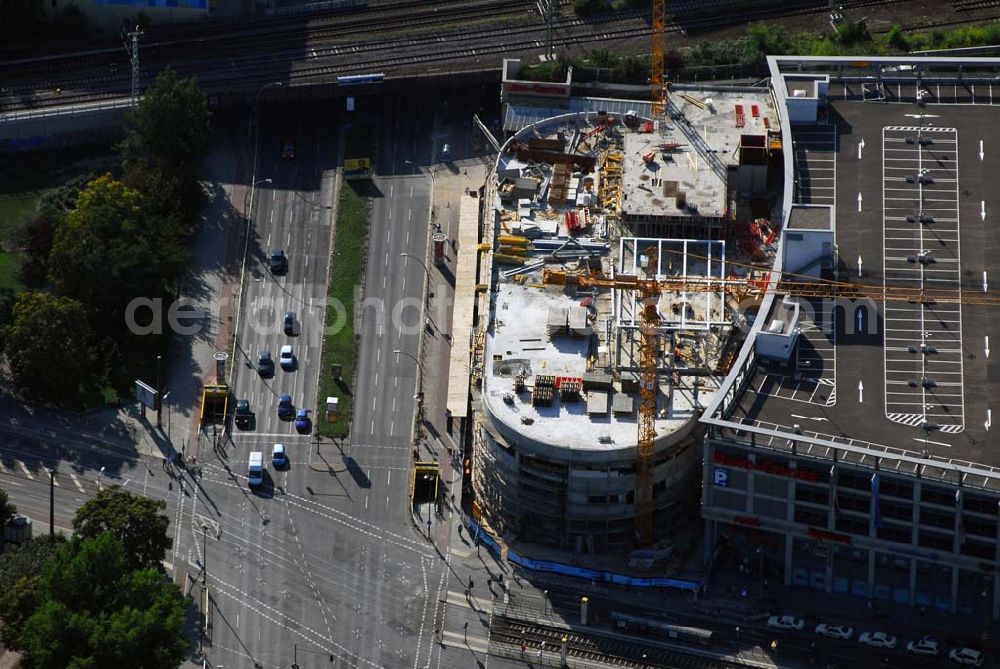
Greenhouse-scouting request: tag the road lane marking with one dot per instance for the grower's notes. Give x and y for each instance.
(923, 440)
(55, 482)
(388, 478)
(27, 472)
(79, 485)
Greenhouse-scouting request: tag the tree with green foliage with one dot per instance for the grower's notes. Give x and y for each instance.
(589, 7)
(46, 347)
(7, 509)
(19, 571)
(89, 610)
(70, 23)
(35, 237)
(21, 20)
(137, 522)
(602, 57)
(852, 33)
(171, 126)
(631, 69)
(769, 40)
(111, 250)
(172, 197)
(896, 39)
(7, 299)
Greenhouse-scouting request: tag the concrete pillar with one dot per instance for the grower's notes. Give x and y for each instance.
(710, 529)
(996, 581)
(954, 589)
(915, 519)
(789, 544)
(871, 573)
(829, 569)
(583, 610)
(996, 598)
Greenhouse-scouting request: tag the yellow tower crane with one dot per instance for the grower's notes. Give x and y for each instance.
(659, 90)
(649, 291)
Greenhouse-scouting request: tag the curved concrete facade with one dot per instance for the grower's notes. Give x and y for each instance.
(575, 493)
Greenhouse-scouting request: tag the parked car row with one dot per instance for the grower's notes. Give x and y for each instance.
(926, 646)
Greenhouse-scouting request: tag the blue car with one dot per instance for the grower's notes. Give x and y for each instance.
(285, 408)
(302, 420)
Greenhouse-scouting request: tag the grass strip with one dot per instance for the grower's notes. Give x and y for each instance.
(340, 344)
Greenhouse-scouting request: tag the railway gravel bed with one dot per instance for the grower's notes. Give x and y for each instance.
(509, 635)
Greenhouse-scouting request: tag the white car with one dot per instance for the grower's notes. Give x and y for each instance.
(786, 622)
(834, 631)
(966, 656)
(927, 646)
(877, 640)
(286, 359)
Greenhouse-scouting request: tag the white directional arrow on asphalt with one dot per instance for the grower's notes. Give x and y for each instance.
(980, 149)
(989, 418)
(986, 286)
(861, 392)
(982, 209)
(859, 201)
(987, 346)
(859, 265)
(861, 145)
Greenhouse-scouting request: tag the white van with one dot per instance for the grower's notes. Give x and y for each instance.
(255, 471)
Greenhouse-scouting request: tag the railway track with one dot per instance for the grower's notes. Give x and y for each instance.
(282, 42)
(508, 634)
(398, 55)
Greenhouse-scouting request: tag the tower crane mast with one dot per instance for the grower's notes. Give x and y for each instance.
(649, 291)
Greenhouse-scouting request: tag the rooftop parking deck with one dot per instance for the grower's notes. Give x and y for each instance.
(914, 207)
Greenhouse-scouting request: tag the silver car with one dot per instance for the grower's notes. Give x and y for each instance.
(834, 631)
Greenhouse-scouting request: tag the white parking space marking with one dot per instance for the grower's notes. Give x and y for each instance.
(922, 351)
(814, 380)
(815, 150)
(27, 472)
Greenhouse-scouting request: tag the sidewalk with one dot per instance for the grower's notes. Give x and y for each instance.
(435, 439)
(208, 288)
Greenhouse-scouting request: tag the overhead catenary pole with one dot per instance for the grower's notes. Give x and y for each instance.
(548, 9)
(133, 53)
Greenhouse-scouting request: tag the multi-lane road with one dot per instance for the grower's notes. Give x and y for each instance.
(327, 558)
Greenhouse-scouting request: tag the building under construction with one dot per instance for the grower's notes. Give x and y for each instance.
(597, 360)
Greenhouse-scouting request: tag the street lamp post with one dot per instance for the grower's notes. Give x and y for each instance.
(163, 400)
(417, 395)
(159, 400)
(247, 208)
(410, 256)
(52, 503)
(204, 555)
(100, 474)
